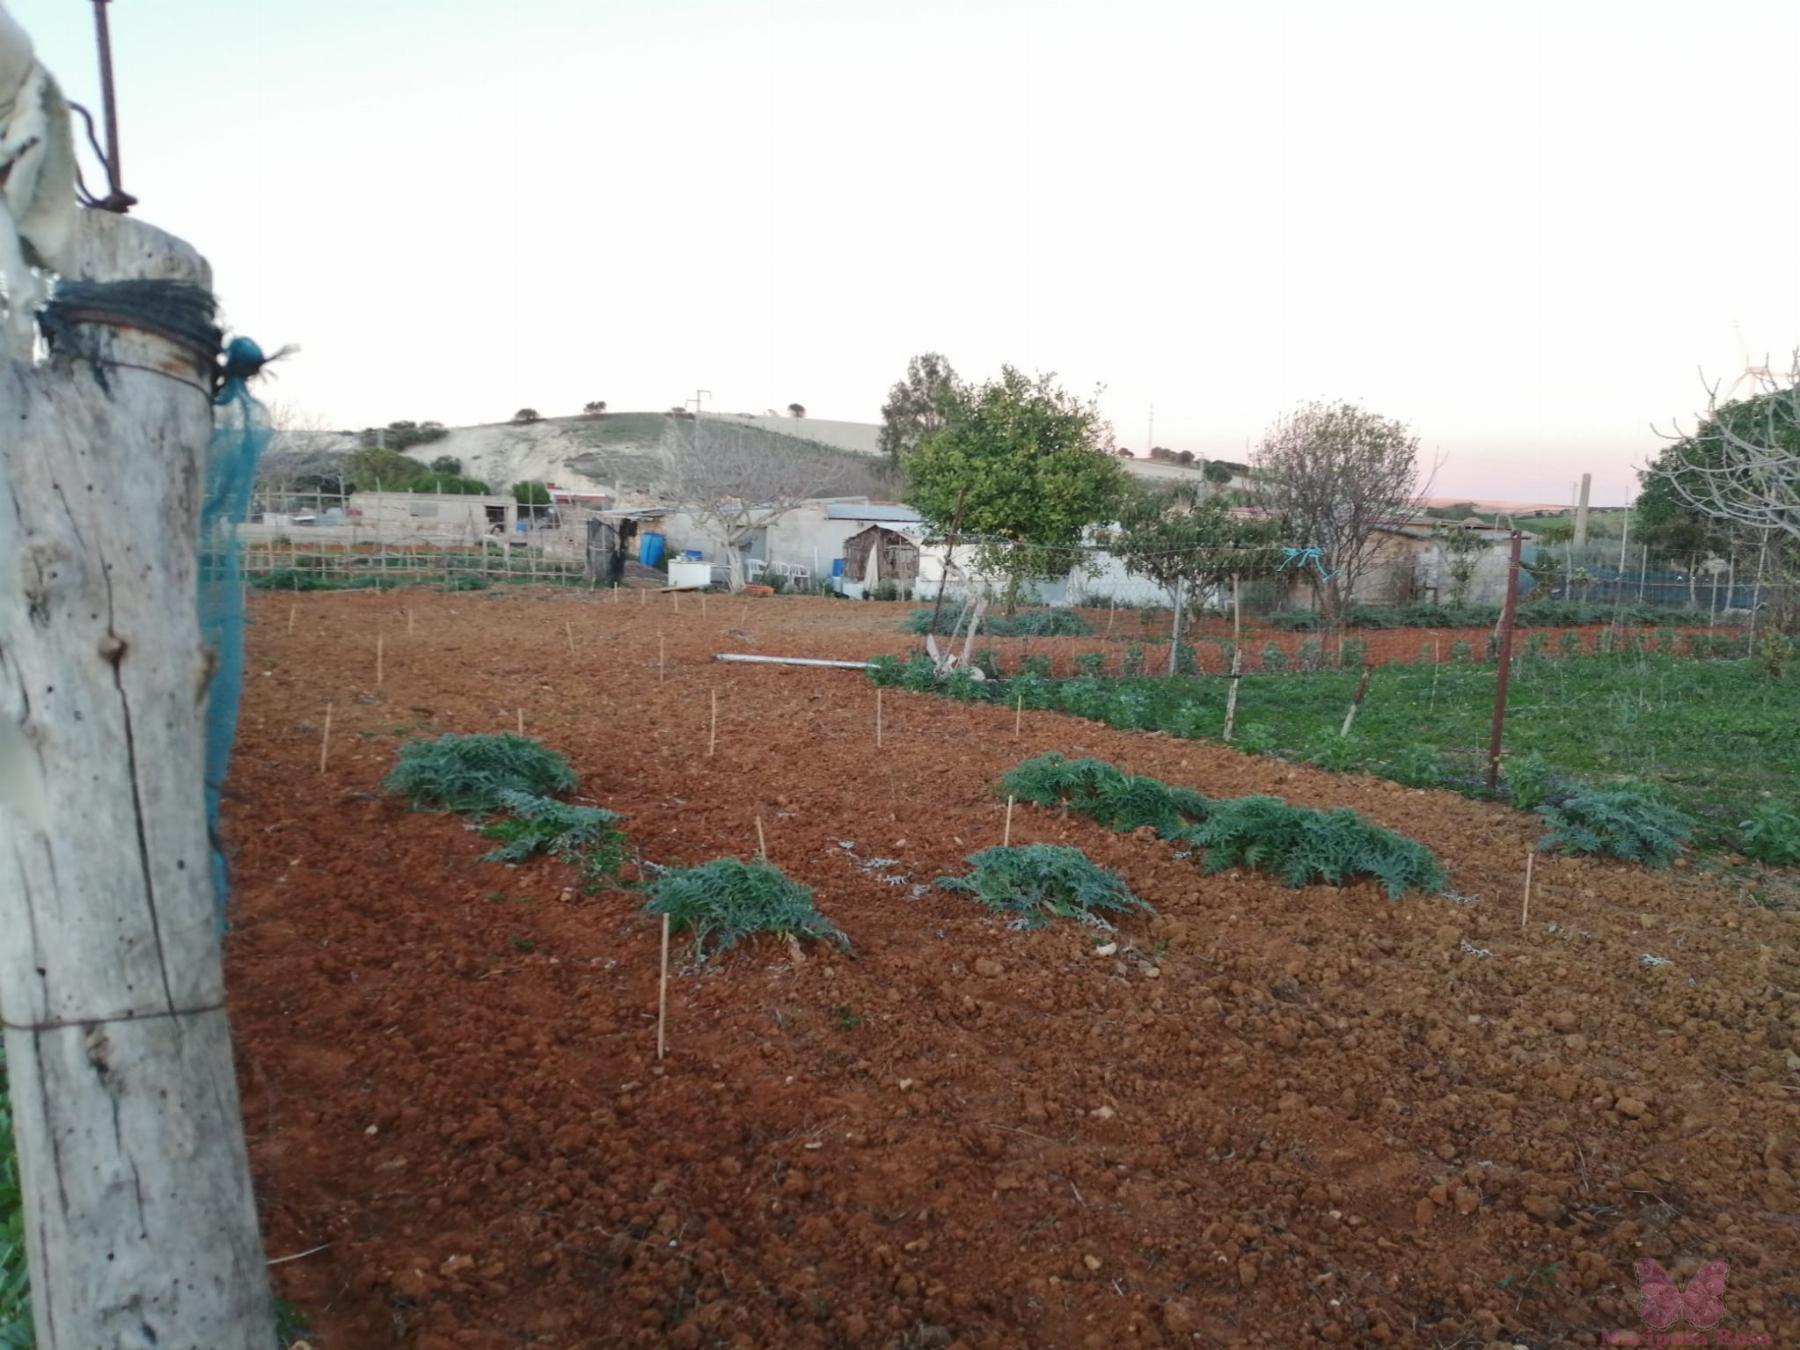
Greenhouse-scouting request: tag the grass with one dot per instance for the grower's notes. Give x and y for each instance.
(475, 773)
(726, 900)
(1716, 739)
(1038, 882)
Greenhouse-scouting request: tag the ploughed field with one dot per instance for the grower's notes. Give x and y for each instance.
(1269, 1117)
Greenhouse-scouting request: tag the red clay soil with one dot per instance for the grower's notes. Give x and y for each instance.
(1274, 1117)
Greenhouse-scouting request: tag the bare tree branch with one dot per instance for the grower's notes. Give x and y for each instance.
(1743, 468)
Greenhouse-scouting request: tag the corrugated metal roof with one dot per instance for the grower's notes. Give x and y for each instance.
(883, 511)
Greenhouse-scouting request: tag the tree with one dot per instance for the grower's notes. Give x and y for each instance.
(531, 494)
(796, 410)
(1184, 536)
(1021, 469)
(594, 408)
(918, 405)
(1737, 473)
(1333, 472)
(734, 480)
(527, 415)
(1216, 472)
(447, 464)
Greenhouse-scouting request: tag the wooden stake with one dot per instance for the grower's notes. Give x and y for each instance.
(1018, 714)
(878, 717)
(1362, 688)
(1237, 673)
(762, 844)
(1525, 909)
(712, 736)
(569, 632)
(643, 596)
(293, 613)
(662, 994)
(703, 604)
(1006, 837)
(325, 740)
(378, 658)
(675, 601)
(521, 724)
(662, 659)
(409, 621)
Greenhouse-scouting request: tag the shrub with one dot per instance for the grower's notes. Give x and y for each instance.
(961, 684)
(1311, 655)
(1256, 739)
(1302, 846)
(466, 581)
(1461, 651)
(1534, 646)
(1187, 660)
(1568, 644)
(1035, 665)
(1038, 882)
(1295, 621)
(1621, 822)
(1529, 780)
(1353, 653)
(583, 835)
(919, 674)
(1134, 659)
(724, 900)
(1273, 658)
(885, 670)
(987, 661)
(1086, 697)
(1771, 835)
(1773, 652)
(1191, 721)
(1092, 664)
(472, 773)
(1026, 623)
(1104, 793)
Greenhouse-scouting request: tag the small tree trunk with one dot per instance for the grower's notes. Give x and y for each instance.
(140, 1226)
(1175, 630)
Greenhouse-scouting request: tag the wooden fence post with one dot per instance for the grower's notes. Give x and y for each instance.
(139, 1220)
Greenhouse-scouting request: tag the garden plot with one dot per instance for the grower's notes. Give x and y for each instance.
(1247, 1113)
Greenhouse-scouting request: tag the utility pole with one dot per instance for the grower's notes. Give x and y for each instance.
(1152, 442)
(699, 396)
(1581, 510)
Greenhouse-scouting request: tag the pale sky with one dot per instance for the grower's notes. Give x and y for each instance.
(1519, 227)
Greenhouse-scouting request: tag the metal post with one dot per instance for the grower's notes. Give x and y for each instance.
(117, 199)
(1507, 615)
(1175, 631)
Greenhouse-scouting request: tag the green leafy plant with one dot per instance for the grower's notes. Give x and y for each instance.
(885, 670)
(15, 1286)
(1461, 651)
(1529, 780)
(1091, 664)
(1332, 752)
(726, 900)
(1417, 766)
(1134, 659)
(1038, 882)
(1302, 846)
(1187, 660)
(1104, 793)
(1311, 655)
(584, 835)
(1771, 835)
(961, 684)
(472, 773)
(1621, 822)
(1026, 623)
(1035, 665)
(1258, 738)
(1273, 658)
(846, 1020)
(987, 661)
(1353, 653)
(919, 675)
(1568, 644)
(1774, 650)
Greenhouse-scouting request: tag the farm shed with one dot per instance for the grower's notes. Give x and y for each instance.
(881, 553)
(1412, 563)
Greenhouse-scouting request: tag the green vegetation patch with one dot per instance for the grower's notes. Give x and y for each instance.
(1621, 822)
(586, 836)
(725, 900)
(1105, 793)
(1026, 623)
(473, 774)
(1305, 847)
(1038, 882)
(15, 1287)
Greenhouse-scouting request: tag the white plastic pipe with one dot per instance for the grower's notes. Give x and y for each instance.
(790, 661)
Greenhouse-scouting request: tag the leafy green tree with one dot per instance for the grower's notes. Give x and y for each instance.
(1669, 513)
(373, 470)
(531, 494)
(1022, 469)
(449, 465)
(918, 405)
(1181, 535)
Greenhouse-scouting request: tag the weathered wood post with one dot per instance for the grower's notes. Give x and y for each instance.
(140, 1225)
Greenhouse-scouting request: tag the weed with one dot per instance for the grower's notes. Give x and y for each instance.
(1256, 739)
(583, 835)
(1273, 658)
(1771, 835)
(1332, 752)
(1301, 846)
(1038, 882)
(987, 661)
(1416, 766)
(1461, 652)
(885, 670)
(1773, 652)
(522, 944)
(1568, 644)
(920, 674)
(1187, 660)
(1529, 780)
(846, 1020)
(1035, 665)
(1352, 653)
(470, 773)
(1622, 822)
(1311, 655)
(1134, 659)
(1091, 664)
(725, 900)
(961, 684)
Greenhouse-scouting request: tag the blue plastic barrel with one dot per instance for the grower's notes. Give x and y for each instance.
(650, 548)
(837, 567)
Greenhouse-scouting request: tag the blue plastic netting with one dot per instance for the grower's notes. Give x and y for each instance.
(240, 434)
